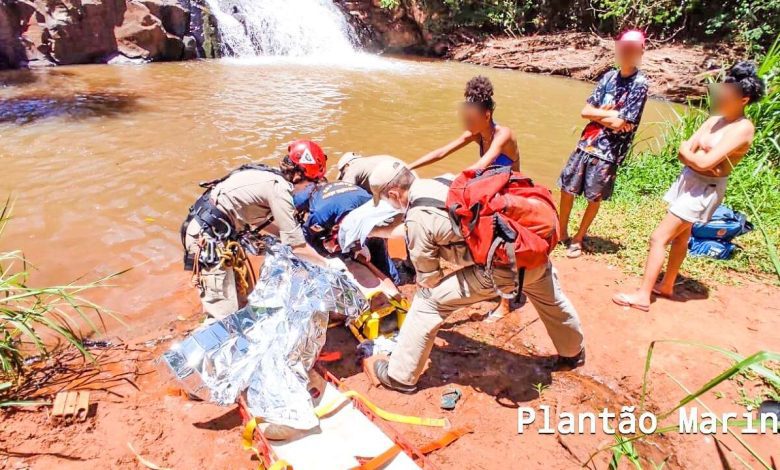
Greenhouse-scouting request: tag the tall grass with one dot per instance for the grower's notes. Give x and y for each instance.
(34, 319)
(754, 187)
(754, 364)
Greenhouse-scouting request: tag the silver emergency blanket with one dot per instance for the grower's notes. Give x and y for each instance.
(267, 348)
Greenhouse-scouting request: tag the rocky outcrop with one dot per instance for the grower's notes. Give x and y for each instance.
(11, 49)
(59, 32)
(173, 14)
(383, 29)
(677, 71)
(142, 36)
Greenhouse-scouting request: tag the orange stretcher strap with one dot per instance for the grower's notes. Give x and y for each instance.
(385, 457)
(448, 438)
(380, 460)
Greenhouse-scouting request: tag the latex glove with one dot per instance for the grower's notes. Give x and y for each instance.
(364, 253)
(336, 264)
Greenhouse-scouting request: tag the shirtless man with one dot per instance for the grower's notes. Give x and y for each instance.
(709, 157)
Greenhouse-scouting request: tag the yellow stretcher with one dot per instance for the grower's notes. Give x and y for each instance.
(384, 318)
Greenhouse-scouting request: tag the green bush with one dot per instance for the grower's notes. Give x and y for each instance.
(754, 23)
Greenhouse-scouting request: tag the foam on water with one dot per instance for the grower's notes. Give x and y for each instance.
(357, 61)
(294, 28)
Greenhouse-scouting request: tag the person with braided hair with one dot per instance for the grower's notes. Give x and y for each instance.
(497, 145)
(709, 156)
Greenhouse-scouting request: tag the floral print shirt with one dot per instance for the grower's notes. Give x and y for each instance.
(628, 95)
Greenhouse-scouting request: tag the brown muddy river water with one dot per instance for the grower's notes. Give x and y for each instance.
(103, 161)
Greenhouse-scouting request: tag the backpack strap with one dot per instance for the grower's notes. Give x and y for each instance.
(246, 166)
(506, 237)
(443, 181)
(492, 170)
(428, 202)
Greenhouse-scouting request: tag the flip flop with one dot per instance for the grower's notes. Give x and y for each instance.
(574, 250)
(450, 398)
(620, 299)
(494, 316)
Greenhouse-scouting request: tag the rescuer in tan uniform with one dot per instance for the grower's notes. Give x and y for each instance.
(356, 169)
(250, 199)
(431, 239)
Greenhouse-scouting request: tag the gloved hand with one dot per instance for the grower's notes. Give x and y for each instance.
(363, 254)
(336, 264)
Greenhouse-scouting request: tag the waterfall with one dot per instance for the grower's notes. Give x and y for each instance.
(296, 28)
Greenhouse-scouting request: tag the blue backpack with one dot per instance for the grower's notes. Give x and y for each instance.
(716, 249)
(724, 225)
(713, 239)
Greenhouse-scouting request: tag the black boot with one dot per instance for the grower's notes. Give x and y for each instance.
(380, 371)
(563, 364)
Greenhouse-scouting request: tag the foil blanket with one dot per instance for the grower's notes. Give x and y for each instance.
(267, 348)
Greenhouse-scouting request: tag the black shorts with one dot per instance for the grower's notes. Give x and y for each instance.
(587, 175)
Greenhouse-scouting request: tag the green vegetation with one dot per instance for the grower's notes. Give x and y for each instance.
(34, 319)
(754, 189)
(754, 23)
(756, 365)
(540, 388)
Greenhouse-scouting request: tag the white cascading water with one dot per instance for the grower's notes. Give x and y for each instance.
(292, 28)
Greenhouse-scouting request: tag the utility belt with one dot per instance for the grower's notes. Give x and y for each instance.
(217, 225)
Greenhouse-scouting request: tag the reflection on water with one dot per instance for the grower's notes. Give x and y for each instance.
(25, 76)
(27, 109)
(97, 195)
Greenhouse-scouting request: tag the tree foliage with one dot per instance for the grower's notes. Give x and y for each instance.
(753, 22)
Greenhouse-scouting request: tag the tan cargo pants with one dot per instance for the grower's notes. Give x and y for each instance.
(218, 293)
(468, 286)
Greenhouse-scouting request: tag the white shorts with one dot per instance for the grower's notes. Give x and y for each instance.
(694, 197)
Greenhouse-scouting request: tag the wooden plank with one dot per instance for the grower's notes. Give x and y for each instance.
(70, 404)
(59, 404)
(82, 406)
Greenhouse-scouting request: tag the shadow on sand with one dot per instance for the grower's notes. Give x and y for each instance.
(507, 376)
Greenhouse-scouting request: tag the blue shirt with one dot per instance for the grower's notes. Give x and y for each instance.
(327, 205)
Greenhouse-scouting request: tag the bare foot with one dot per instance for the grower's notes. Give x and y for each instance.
(635, 300)
(664, 291)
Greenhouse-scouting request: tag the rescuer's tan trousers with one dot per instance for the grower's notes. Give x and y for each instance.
(468, 286)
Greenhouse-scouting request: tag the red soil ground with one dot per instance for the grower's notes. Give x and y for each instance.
(496, 367)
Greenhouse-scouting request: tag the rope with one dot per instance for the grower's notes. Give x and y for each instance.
(232, 256)
(195, 280)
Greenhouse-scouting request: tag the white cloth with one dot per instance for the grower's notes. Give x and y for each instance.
(694, 197)
(358, 224)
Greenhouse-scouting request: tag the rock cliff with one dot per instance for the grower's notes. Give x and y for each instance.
(61, 32)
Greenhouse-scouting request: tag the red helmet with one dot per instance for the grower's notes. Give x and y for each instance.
(309, 157)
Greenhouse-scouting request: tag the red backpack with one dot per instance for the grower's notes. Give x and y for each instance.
(505, 219)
